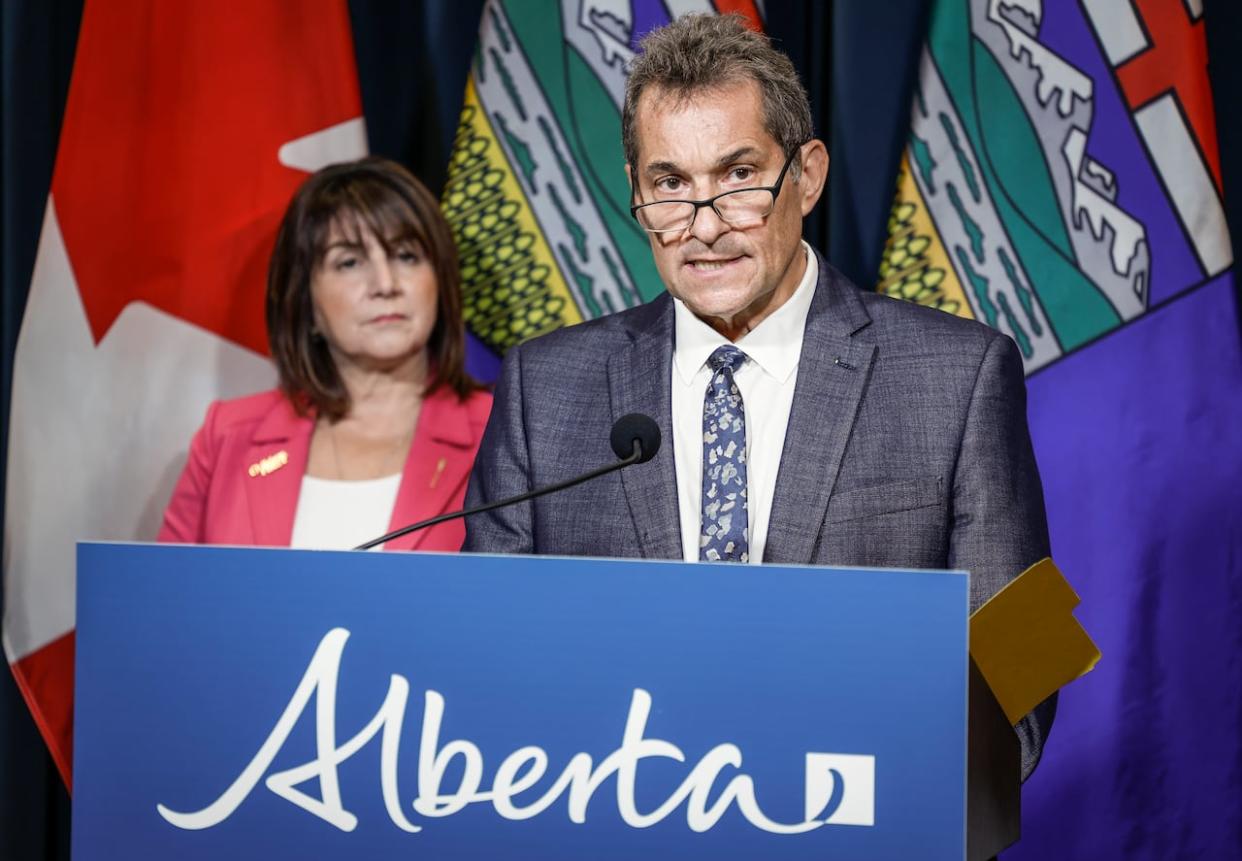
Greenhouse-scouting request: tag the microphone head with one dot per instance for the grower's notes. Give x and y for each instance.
(635, 427)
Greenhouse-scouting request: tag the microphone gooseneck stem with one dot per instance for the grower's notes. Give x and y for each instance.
(631, 458)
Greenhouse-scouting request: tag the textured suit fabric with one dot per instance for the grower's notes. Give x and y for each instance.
(218, 501)
(907, 447)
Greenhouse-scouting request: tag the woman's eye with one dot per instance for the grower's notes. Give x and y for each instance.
(344, 263)
(408, 255)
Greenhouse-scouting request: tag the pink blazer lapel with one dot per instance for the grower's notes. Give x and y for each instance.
(278, 453)
(437, 467)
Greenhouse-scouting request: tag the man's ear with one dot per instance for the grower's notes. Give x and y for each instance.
(814, 174)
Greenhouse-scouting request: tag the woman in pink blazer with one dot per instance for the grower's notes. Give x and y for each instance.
(376, 423)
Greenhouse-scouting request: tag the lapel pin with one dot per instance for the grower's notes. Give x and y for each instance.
(269, 464)
(435, 476)
(839, 361)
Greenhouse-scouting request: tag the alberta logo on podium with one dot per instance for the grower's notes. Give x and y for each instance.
(840, 788)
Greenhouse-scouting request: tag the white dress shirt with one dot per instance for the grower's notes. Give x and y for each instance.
(338, 515)
(766, 381)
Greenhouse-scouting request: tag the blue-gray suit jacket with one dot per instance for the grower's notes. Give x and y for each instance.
(907, 447)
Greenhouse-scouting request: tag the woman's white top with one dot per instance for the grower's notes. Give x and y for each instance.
(339, 515)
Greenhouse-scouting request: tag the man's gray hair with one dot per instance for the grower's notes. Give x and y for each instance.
(703, 52)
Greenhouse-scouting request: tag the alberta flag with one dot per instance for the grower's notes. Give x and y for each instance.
(537, 195)
(1062, 183)
(186, 131)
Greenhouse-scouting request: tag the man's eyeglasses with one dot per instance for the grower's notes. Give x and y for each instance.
(743, 207)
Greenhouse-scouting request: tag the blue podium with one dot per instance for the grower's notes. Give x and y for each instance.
(261, 703)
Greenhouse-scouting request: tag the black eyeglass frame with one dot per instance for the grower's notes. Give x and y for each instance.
(775, 189)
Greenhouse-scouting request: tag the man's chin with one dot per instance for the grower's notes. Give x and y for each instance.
(718, 302)
(719, 316)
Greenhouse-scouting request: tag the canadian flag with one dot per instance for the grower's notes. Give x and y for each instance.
(187, 129)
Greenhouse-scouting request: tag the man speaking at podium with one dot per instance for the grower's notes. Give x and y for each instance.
(806, 421)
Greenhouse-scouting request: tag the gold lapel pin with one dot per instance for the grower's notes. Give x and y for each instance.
(435, 476)
(269, 464)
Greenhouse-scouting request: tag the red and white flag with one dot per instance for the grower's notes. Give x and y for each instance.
(187, 129)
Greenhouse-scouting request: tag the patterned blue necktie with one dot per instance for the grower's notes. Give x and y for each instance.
(724, 521)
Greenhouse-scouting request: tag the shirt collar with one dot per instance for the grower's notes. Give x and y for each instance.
(774, 345)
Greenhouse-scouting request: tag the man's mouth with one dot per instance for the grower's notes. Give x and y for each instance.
(711, 265)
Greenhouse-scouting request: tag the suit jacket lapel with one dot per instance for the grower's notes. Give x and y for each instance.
(832, 374)
(273, 495)
(438, 463)
(639, 381)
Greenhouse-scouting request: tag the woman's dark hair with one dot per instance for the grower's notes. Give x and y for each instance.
(383, 197)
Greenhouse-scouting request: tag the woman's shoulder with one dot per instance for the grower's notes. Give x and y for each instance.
(476, 402)
(479, 404)
(234, 414)
(461, 418)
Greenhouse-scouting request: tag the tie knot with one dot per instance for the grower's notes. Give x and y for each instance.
(727, 356)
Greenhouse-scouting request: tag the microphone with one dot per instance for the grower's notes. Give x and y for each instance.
(635, 429)
(635, 438)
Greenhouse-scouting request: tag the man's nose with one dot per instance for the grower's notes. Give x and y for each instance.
(707, 225)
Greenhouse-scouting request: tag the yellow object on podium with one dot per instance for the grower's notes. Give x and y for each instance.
(1026, 641)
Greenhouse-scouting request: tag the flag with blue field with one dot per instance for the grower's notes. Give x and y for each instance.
(1062, 183)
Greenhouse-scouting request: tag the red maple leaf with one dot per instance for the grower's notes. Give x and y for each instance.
(167, 184)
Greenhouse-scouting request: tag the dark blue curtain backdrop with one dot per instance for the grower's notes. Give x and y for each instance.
(37, 41)
(858, 59)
